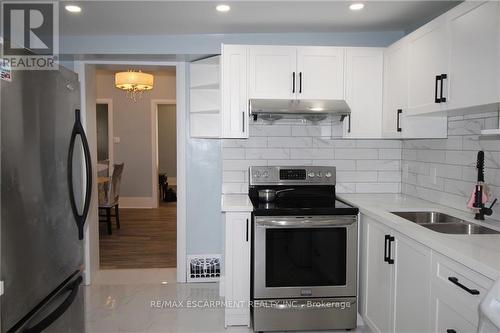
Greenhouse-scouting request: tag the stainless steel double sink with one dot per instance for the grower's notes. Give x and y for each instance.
(445, 223)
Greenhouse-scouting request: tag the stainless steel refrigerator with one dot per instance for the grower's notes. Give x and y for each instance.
(45, 197)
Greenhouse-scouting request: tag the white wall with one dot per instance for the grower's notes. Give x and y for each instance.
(132, 124)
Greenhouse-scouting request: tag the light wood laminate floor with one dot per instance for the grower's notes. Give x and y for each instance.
(146, 239)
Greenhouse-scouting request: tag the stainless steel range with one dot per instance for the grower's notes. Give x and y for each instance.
(304, 250)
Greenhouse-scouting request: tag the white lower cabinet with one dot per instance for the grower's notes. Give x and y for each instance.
(456, 292)
(237, 240)
(408, 287)
(395, 277)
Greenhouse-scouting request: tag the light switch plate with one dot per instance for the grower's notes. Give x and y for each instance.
(116, 139)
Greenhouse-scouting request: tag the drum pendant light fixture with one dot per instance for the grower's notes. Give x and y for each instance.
(134, 83)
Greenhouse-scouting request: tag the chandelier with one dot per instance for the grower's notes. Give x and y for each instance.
(134, 83)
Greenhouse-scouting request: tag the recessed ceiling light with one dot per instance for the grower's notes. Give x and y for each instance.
(223, 8)
(356, 6)
(73, 9)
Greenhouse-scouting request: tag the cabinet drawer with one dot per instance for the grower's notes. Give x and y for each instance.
(451, 320)
(459, 285)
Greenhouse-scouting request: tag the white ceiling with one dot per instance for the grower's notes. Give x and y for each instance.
(99, 18)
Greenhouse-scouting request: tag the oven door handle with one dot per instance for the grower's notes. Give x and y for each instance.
(291, 222)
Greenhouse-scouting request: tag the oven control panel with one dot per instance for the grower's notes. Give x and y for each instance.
(299, 175)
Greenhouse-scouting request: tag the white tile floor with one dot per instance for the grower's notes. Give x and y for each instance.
(120, 301)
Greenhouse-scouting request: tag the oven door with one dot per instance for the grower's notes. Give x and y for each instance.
(296, 256)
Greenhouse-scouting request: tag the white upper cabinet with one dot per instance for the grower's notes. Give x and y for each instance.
(395, 87)
(234, 91)
(397, 122)
(273, 72)
(474, 30)
(302, 72)
(363, 93)
(320, 72)
(428, 68)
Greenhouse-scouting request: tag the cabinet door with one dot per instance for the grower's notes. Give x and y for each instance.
(412, 285)
(273, 72)
(395, 87)
(237, 267)
(378, 276)
(320, 72)
(474, 54)
(234, 91)
(364, 80)
(428, 59)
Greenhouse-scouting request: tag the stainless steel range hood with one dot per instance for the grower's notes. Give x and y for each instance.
(313, 110)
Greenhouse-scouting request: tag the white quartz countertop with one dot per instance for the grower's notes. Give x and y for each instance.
(236, 203)
(479, 252)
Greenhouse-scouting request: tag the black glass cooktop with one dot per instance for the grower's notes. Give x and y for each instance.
(304, 206)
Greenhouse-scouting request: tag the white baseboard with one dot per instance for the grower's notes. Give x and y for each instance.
(137, 202)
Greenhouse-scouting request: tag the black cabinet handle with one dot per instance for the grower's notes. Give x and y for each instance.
(349, 124)
(78, 130)
(390, 261)
(59, 311)
(247, 231)
(300, 83)
(436, 98)
(386, 242)
(293, 82)
(399, 129)
(442, 99)
(455, 281)
(243, 121)
(451, 330)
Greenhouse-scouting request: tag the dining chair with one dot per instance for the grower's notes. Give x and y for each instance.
(110, 199)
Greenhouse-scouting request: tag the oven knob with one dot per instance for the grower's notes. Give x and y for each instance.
(257, 174)
(319, 174)
(311, 174)
(265, 174)
(328, 174)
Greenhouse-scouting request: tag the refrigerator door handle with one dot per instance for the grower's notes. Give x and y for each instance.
(78, 130)
(59, 311)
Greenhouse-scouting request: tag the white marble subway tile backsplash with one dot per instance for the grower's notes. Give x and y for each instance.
(444, 170)
(439, 170)
(369, 166)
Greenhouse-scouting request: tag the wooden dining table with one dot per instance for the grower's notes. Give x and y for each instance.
(102, 180)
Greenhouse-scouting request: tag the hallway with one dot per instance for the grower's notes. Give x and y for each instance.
(146, 239)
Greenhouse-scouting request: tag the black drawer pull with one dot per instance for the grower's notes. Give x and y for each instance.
(386, 242)
(454, 280)
(399, 129)
(247, 232)
(442, 99)
(451, 330)
(436, 98)
(293, 82)
(390, 261)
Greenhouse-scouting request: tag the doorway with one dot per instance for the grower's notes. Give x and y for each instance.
(147, 236)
